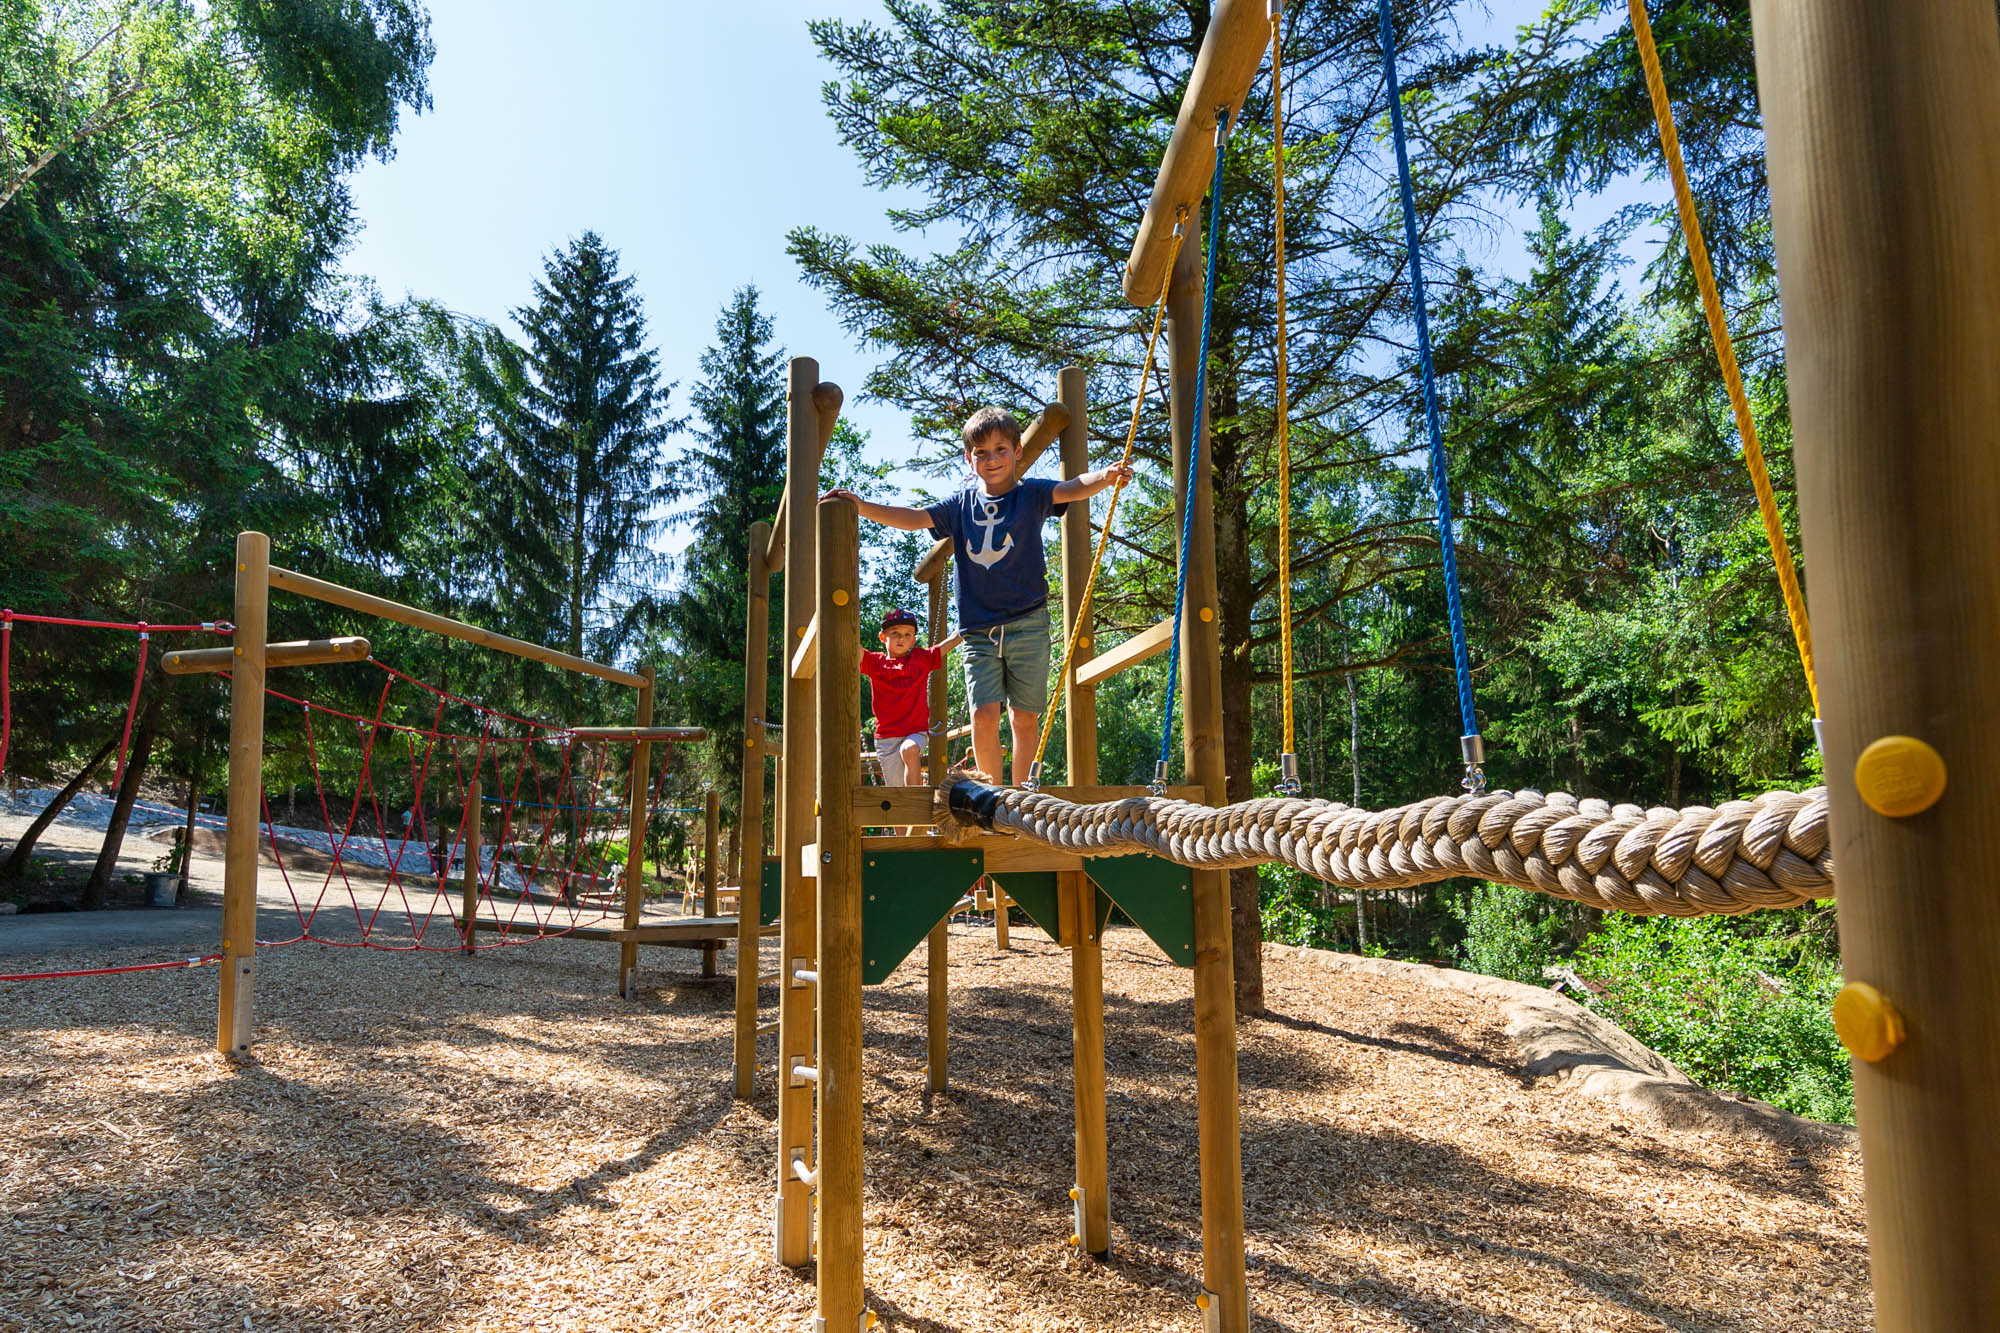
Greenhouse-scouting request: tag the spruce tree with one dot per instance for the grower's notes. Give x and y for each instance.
(730, 478)
(576, 421)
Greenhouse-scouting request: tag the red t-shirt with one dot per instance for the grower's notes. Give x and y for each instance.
(901, 690)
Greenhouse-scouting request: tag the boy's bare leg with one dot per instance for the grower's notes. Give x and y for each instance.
(912, 756)
(1027, 738)
(986, 740)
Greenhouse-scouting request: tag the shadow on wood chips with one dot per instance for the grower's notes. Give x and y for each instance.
(430, 1141)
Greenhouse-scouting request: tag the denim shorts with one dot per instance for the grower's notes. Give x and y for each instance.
(1010, 663)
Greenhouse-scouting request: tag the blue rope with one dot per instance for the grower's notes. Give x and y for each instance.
(1461, 660)
(1194, 445)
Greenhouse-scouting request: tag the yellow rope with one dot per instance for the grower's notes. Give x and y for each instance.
(1718, 328)
(1284, 425)
(1118, 488)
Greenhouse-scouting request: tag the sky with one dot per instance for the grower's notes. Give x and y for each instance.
(691, 137)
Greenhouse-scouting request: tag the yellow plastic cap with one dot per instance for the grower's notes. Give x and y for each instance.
(1899, 776)
(1075, 1239)
(1866, 1023)
(840, 599)
(1201, 1301)
(1072, 1191)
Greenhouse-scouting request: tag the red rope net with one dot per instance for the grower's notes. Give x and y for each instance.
(382, 863)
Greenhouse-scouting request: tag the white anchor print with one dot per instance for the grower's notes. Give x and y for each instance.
(985, 554)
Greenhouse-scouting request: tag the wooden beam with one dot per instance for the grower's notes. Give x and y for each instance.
(937, 961)
(638, 786)
(1075, 893)
(300, 652)
(1147, 643)
(1881, 124)
(750, 805)
(469, 909)
(838, 1088)
(1231, 50)
(691, 932)
(805, 659)
(246, 789)
(1217, 1111)
(711, 836)
(305, 585)
(799, 910)
(875, 806)
(641, 734)
(826, 400)
(1043, 431)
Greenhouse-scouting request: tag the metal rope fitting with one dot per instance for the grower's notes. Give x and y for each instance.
(1034, 781)
(1288, 775)
(1473, 749)
(1158, 786)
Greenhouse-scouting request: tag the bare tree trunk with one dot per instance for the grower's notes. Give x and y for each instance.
(182, 893)
(17, 860)
(99, 884)
(1234, 597)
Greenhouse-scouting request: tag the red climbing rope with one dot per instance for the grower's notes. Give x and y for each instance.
(202, 961)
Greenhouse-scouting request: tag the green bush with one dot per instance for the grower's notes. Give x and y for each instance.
(1743, 1005)
(1295, 910)
(1508, 933)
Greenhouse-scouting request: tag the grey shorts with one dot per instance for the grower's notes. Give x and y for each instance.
(886, 746)
(1009, 664)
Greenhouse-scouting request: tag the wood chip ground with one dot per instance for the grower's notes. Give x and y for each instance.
(430, 1141)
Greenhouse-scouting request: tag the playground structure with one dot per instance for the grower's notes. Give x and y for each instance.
(247, 662)
(1895, 480)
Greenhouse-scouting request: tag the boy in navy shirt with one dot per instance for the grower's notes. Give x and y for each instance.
(995, 524)
(899, 683)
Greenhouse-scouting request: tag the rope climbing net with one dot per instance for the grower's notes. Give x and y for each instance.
(395, 796)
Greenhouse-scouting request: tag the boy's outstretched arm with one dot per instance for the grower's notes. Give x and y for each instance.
(1090, 483)
(946, 645)
(889, 516)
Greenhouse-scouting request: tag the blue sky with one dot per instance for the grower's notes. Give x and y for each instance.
(691, 137)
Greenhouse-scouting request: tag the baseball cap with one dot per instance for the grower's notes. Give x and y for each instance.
(900, 617)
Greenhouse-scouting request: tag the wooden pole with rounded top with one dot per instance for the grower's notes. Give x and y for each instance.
(937, 976)
(838, 705)
(1883, 131)
(638, 788)
(799, 927)
(1216, 1109)
(246, 786)
(1078, 895)
(750, 808)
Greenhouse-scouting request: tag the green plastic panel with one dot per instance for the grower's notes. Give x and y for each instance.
(772, 900)
(1157, 894)
(904, 894)
(1035, 892)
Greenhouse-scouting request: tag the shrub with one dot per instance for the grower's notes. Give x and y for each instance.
(1508, 933)
(1739, 1004)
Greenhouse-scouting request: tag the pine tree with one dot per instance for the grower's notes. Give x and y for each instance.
(731, 478)
(577, 417)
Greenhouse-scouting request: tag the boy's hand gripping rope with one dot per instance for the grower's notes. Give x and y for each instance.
(1074, 630)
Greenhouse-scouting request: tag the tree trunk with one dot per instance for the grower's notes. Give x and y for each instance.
(1354, 760)
(1234, 595)
(99, 884)
(182, 894)
(17, 860)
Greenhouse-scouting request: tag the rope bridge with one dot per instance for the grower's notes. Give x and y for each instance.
(1737, 857)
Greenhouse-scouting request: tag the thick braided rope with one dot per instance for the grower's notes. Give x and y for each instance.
(1769, 852)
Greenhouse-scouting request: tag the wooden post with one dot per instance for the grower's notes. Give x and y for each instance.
(246, 785)
(1086, 959)
(1883, 132)
(711, 819)
(839, 887)
(937, 977)
(750, 808)
(1217, 1112)
(473, 869)
(1000, 901)
(799, 925)
(640, 785)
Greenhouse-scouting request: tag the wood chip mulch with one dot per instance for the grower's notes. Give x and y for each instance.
(429, 1141)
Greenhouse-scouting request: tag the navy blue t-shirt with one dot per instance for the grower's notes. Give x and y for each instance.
(1003, 573)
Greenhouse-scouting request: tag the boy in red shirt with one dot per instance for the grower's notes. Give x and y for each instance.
(899, 679)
